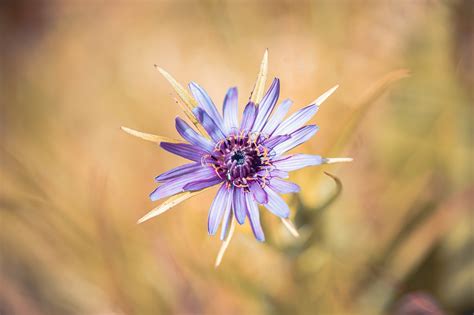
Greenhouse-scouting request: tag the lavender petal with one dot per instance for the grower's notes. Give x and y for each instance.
(230, 110)
(178, 171)
(190, 135)
(276, 204)
(188, 151)
(220, 204)
(297, 161)
(258, 192)
(201, 184)
(254, 218)
(205, 102)
(212, 129)
(283, 186)
(298, 137)
(296, 120)
(248, 118)
(277, 117)
(239, 205)
(266, 106)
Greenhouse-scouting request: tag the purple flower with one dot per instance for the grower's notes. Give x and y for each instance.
(246, 158)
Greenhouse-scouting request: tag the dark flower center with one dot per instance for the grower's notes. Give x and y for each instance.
(239, 159)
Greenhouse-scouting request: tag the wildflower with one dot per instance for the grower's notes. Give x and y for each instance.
(246, 159)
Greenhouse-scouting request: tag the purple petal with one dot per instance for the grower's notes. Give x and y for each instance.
(178, 171)
(297, 161)
(277, 117)
(205, 102)
(212, 129)
(274, 141)
(201, 184)
(296, 120)
(267, 104)
(240, 207)
(220, 204)
(276, 204)
(190, 135)
(298, 137)
(230, 110)
(188, 151)
(176, 185)
(248, 118)
(258, 193)
(254, 217)
(227, 217)
(273, 173)
(283, 187)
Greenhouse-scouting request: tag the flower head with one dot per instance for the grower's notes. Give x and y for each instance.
(248, 160)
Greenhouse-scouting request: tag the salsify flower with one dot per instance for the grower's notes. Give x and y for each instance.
(247, 159)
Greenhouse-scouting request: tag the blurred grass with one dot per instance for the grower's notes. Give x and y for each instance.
(73, 184)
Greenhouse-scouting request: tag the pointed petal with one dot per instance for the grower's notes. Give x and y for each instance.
(276, 204)
(297, 161)
(188, 151)
(190, 135)
(258, 192)
(259, 87)
(176, 185)
(283, 187)
(230, 110)
(148, 136)
(254, 218)
(276, 140)
(298, 137)
(201, 184)
(168, 204)
(221, 202)
(178, 171)
(266, 106)
(239, 205)
(227, 217)
(212, 129)
(296, 120)
(248, 118)
(205, 102)
(277, 117)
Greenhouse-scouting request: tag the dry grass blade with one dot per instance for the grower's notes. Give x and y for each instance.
(364, 103)
(168, 204)
(290, 227)
(148, 136)
(259, 88)
(189, 103)
(225, 243)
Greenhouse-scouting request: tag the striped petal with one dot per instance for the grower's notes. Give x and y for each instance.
(274, 141)
(201, 184)
(205, 102)
(188, 151)
(219, 206)
(176, 185)
(258, 193)
(298, 137)
(254, 217)
(297, 161)
(239, 205)
(276, 204)
(248, 118)
(212, 129)
(178, 171)
(227, 217)
(277, 117)
(267, 104)
(230, 110)
(296, 120)
(283, 186)
(192, 136)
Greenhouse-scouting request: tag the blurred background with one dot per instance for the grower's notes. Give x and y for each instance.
(394, 238)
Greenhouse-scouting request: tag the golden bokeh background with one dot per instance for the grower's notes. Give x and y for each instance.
(398, 235)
